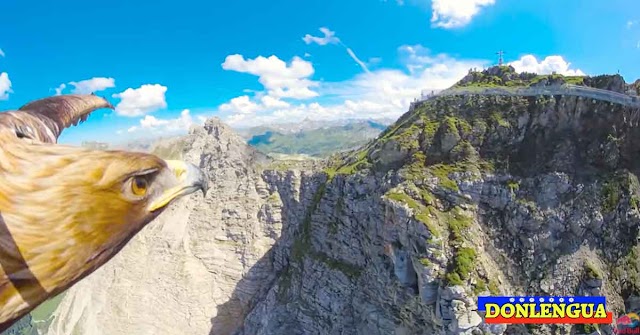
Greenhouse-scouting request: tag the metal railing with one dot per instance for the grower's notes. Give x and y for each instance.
(570, 90)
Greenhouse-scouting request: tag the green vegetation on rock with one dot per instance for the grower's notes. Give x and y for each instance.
(493, 287)
(592, 271)
(586, 328)
(463, 265)
(619, 186)
(574, 80)
(457, 223)
(453, 278)
(506, 76)
(497, 119)
(479, 287)
(421, 212)
(610, 195)
(627, 271)
(513, 186)
(274, 198)
(359, 162)
(442, 171)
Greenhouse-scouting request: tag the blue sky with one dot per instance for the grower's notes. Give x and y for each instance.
(167, 65)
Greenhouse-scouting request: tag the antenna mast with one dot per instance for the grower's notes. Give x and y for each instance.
(500, 58)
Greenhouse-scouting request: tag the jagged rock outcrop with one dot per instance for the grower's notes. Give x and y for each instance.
(463, 196)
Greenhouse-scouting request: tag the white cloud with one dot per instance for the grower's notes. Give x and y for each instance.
(379, 93)
(456, 13)
(281, 80)
(331, 38)
(153, 124)
(362, 64)
(92, 85)
(5, 86)
(632, 23)
(60, 88)
(550, 64)
(140, 101)
(87, 86)
(328, 38)
(2, 53)
(271, 102)
(240, 105)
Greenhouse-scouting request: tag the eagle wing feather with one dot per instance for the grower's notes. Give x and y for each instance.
(44, 119)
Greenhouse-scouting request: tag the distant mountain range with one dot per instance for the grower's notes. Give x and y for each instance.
(308, 137)
(314, 138)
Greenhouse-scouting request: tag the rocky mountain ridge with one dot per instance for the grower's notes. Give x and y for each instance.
(462, 196)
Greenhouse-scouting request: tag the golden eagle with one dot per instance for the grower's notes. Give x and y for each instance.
(65, 211)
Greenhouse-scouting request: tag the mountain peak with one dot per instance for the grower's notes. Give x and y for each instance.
(506, 76)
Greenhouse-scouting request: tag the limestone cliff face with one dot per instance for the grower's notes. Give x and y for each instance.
(466, 196)
(463, 196)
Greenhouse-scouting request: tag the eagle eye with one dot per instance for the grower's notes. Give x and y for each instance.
(139, 185)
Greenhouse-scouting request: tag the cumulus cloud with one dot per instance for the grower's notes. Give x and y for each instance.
(271, 102)
(153, 124)
(87, 86)
(92, 85)
(450, 14)
(140, 101)
(417, 57)
(328, 38)
(5, 86)
(550, 64)
(240, 105)
(2, 53)
(374, 94)
(281, 80)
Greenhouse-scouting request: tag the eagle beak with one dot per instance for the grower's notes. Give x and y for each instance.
(190, 179)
